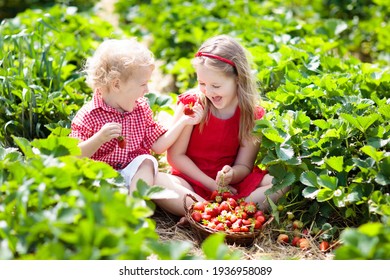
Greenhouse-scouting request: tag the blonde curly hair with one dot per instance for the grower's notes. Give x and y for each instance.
(116, 59)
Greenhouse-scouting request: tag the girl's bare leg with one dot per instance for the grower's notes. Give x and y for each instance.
(178, 185)
(259, 196)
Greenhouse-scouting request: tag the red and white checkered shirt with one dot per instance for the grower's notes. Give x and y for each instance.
(138, 127)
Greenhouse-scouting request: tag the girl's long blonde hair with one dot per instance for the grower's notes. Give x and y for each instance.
(247, 93)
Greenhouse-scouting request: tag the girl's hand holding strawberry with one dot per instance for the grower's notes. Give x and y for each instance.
(225, 176)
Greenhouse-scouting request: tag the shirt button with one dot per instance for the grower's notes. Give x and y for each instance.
(118, 165)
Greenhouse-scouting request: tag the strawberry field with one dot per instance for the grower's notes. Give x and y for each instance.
(324, 75)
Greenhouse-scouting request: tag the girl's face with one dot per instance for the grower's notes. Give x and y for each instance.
(219, 88)
(127, 92)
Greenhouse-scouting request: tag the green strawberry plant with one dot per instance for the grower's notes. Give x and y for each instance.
(58, 206)
(370, 241)
(40, 69)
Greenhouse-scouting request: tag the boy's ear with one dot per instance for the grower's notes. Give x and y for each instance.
(116, 84)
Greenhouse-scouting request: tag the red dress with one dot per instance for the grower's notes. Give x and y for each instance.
(215, 146)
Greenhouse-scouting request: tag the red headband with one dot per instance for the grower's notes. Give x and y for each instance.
(216, 57)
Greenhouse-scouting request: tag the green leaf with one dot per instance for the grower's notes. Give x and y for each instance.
(274, 209)
(385, 110)
(371, 229)
(361, 122)
(25, 146)
(328, 182)
(273, 135)
(177, 250)
(309, 178)
(310, 192)
(284, 152)
(335, 163)
(324, 195)
(214, 248)
(373, 153)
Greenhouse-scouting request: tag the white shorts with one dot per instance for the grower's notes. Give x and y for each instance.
(129, 171)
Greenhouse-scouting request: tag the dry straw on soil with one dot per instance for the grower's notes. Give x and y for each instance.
(264, 247)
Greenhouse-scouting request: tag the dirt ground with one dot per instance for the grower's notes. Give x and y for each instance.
(265, 246)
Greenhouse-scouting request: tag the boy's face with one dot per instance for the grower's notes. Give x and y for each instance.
(127, 92)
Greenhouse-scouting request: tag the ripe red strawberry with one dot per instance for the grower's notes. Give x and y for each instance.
(226, 195)
(304, 244)
(224, 206)
(283, 238)
(257, 224)
(188, 109)
(259, 213)
(212, 211)
(199, 206)
(121, 142)
(295, 241)
(197, 216)
(233, 218)
(324, 246)
(220, 227)
(206, 217)
(213, 195)
(244, 229)
(260, 219)
(250, 209)
(232, 202)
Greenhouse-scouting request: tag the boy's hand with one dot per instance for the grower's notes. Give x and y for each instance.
(109, 131)
(193, 114)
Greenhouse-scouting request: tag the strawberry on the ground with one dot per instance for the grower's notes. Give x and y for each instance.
(295, 241)
(324, 246)
(304, 244)
(283, 238)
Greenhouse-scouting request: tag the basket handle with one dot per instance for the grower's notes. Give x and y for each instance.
(185, 201)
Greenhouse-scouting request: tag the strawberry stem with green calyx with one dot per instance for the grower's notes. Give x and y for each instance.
(120, 138)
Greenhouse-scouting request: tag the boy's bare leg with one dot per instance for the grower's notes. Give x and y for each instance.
(145, 172)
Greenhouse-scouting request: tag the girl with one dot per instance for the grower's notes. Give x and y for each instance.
(117, 125)
(221, 150)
